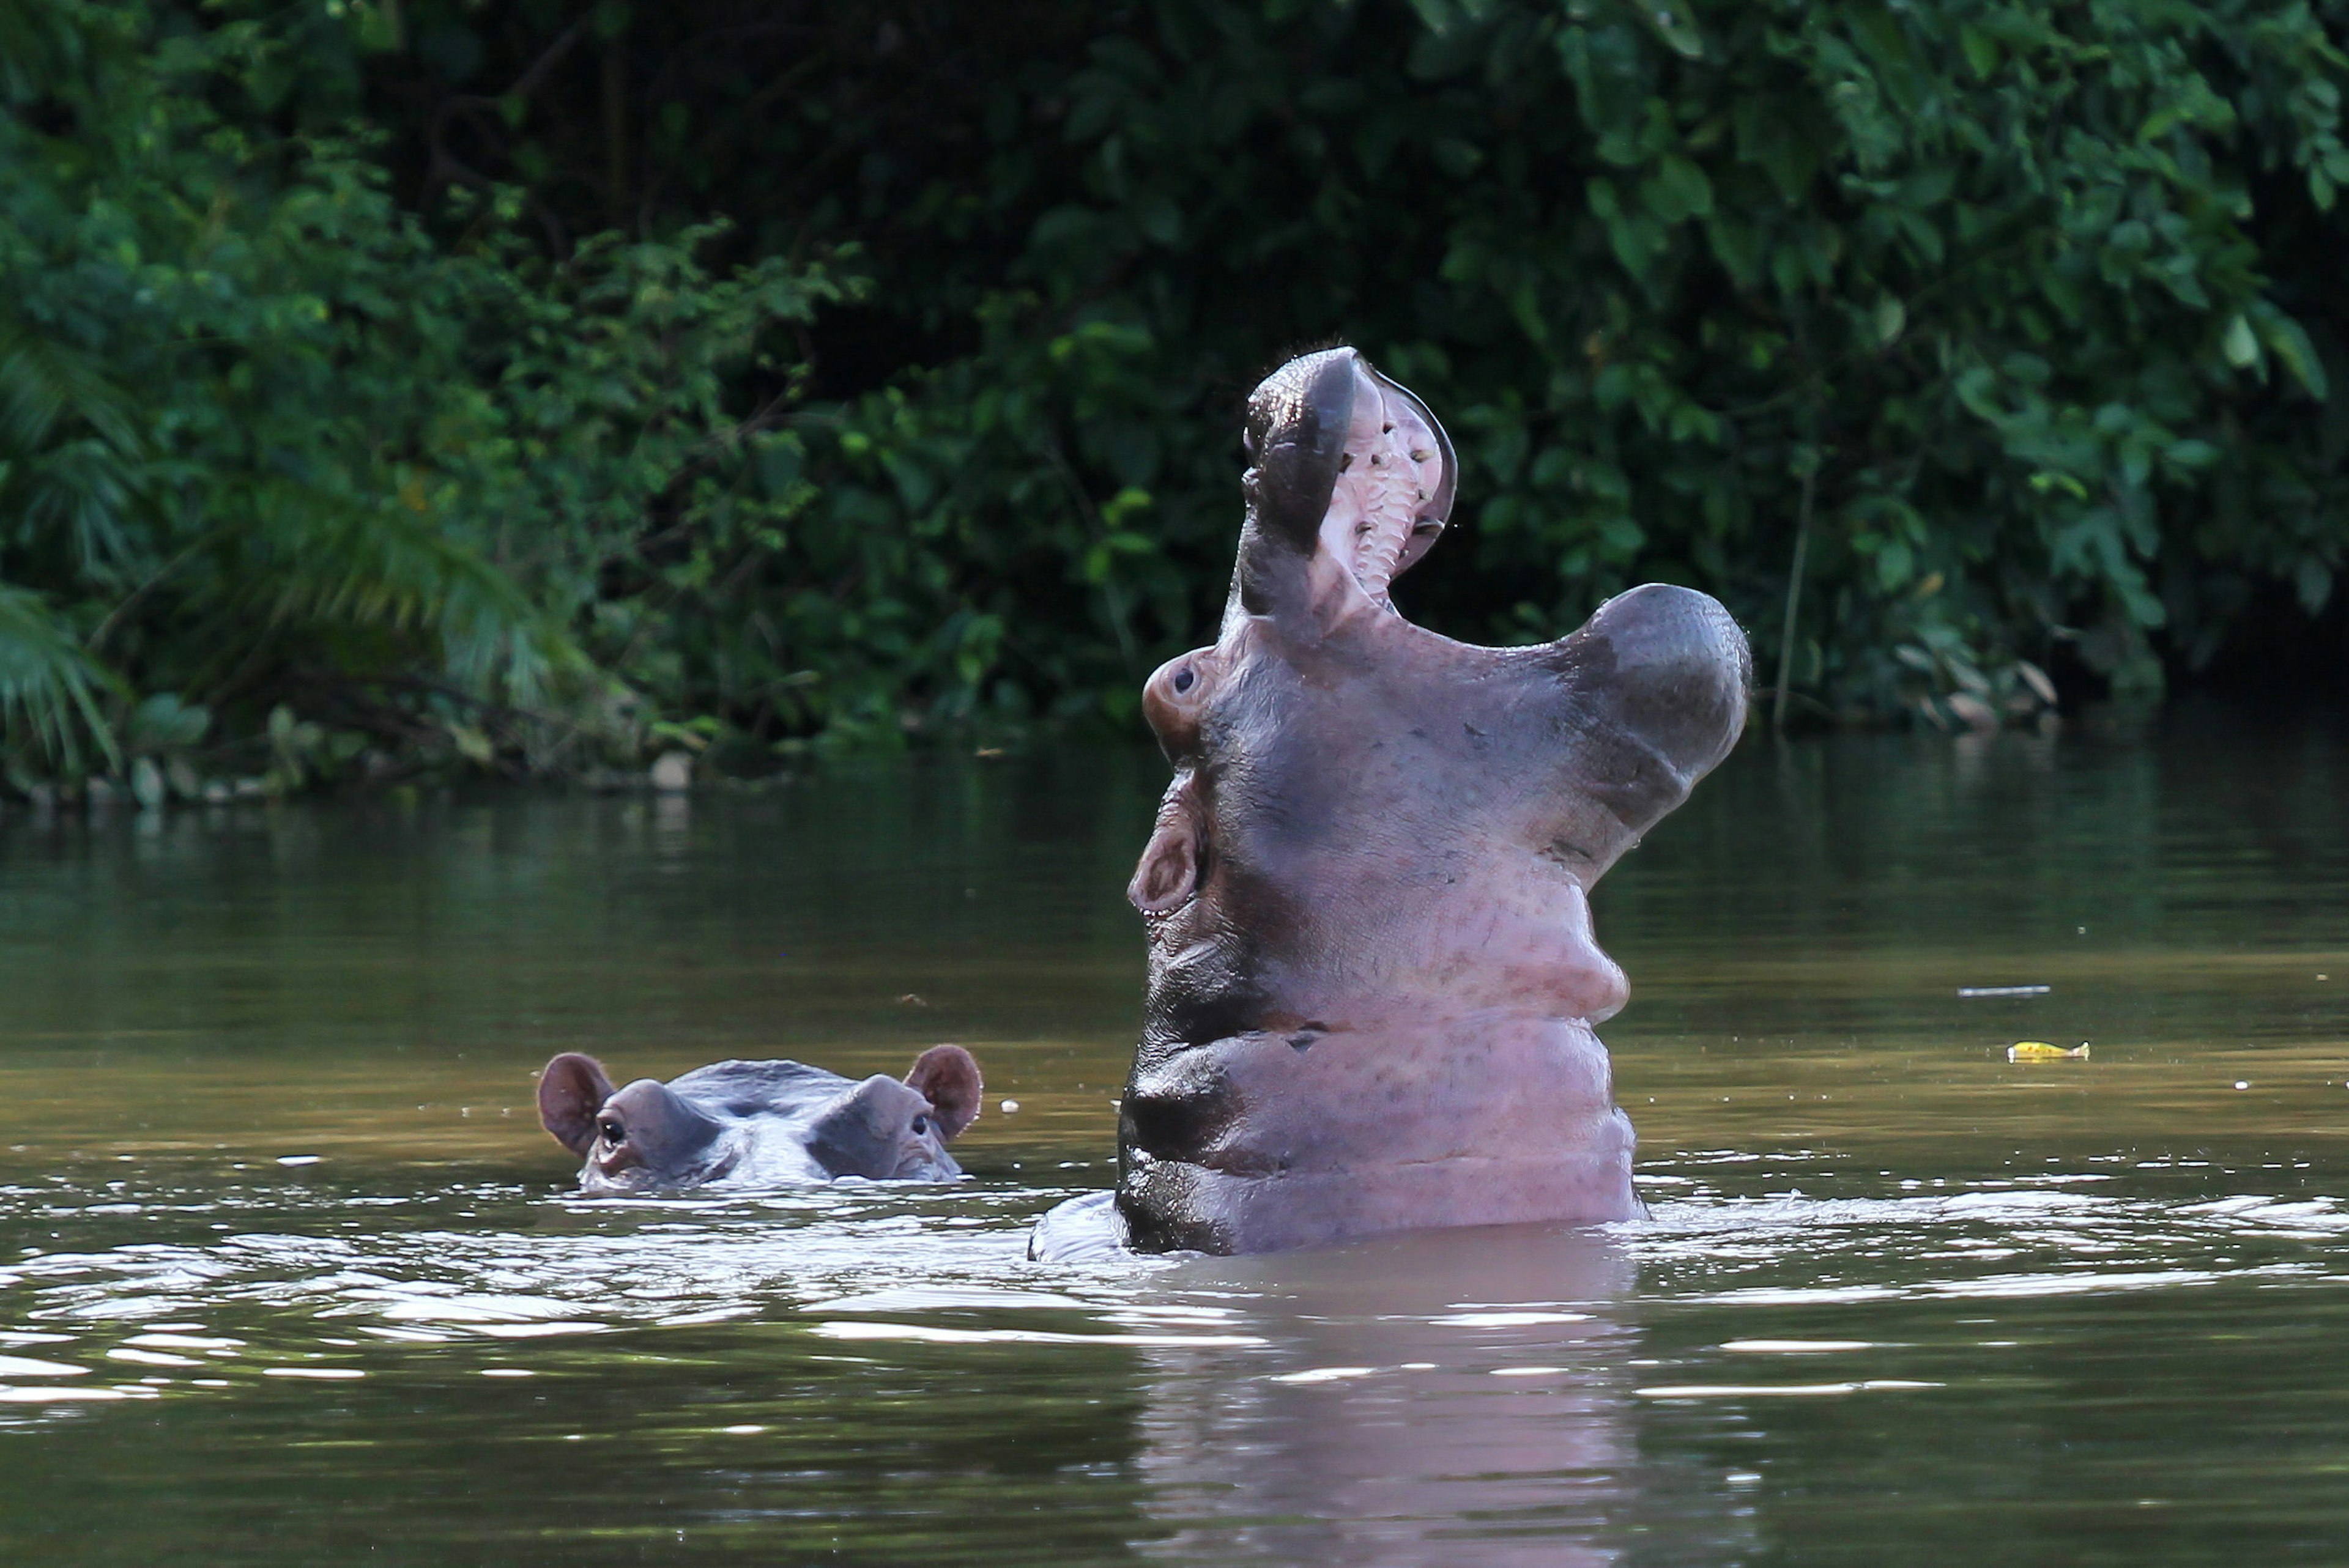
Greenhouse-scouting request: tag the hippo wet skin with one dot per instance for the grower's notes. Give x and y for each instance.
(1373, 978)
(759, 1124)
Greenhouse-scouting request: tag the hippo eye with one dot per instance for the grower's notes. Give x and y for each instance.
(921, 1126)
(614, 1133)
(1184, 679)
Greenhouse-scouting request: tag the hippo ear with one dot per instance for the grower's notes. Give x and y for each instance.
(1353, 478)
(947, 1077)
(1172, 862)
(1169, 870)
(571, 1091)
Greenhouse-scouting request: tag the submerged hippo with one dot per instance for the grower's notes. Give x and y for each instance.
(759, 1124)
(1373, 978)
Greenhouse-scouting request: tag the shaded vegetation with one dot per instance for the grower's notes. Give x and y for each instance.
(533, 386)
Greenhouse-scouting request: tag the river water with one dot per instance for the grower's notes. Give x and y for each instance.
(289, 1274)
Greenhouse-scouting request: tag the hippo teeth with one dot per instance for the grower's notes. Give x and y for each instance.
(1385, 480)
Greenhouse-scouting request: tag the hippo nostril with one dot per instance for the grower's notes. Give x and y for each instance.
(1185, 680)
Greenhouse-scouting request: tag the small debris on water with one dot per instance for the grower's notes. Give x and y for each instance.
(911, 999)
(298, 1158)
(2040, 1051)
(2242, 1083)
(1009, 1106)
(2004, 990)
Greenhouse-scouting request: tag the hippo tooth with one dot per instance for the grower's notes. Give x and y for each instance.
(1373, 509)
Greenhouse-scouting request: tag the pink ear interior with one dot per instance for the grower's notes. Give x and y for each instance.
(1169, 868)
(947, 1077)
(571, 1091)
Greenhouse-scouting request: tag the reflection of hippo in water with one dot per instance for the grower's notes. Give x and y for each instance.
(1443, 1400)
(1372, 977)
(759, 1124)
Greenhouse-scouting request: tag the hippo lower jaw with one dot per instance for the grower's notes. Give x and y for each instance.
(1275, 1140)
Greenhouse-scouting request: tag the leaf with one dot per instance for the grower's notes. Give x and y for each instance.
(2312, 578)
(1678, 190)
(1891, 317)
(2240, 347)
(472, 744)
(1674, 22)
(165, 723)
(2287, 341)
(1980, 50)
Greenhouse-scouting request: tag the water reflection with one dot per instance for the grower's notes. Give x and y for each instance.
(1455, 1398)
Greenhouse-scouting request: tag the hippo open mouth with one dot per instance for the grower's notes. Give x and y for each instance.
(1393, 490)
(1372, 976)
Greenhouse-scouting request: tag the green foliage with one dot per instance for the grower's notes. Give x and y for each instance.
(1998, 274)
(2035, 299)
(2032, 304)
(262, 438)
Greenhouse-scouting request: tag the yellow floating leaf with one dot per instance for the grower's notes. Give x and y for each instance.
(2040, 1051)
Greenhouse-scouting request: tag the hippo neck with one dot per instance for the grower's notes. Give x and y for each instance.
(1270, 1140)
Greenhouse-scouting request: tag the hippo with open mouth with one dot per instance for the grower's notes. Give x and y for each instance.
(1373, 978)
(742, 1125)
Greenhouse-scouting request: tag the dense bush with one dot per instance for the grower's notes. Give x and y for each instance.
(390, 365)
(265, 442)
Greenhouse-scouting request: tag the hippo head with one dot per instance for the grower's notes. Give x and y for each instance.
(1372, 976)
(745, 1124)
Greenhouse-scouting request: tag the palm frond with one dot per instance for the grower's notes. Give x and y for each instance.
(49, 687)
(329, 558)
(45, 383)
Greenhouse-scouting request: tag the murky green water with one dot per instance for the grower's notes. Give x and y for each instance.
(288, 1275)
